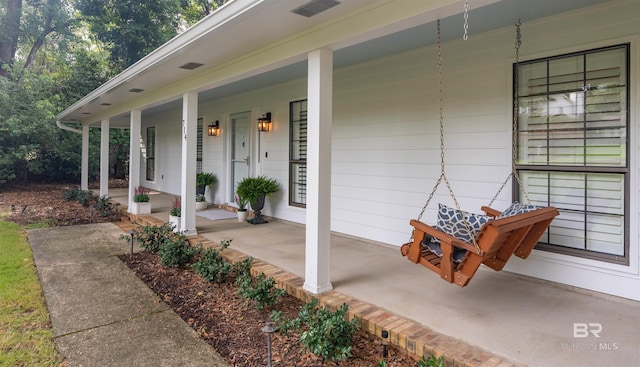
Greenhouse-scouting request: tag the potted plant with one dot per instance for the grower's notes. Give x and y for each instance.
(204, 180)
(141, 204)
(242, 208)
(174, 214)
(254, 190)
(201, 202)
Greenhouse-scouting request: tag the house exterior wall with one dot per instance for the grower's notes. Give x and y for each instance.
(386, 157)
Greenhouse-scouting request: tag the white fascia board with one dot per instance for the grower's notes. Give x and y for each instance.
(374, 20)
(218, 19)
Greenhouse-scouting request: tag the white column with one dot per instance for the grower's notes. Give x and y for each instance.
(319, 122)
(189, 142)
(104, 157)
(134, 153)
(84, 165)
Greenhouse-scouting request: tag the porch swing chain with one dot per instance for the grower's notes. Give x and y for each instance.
(516, 111)
(465, 36)
(442, 165)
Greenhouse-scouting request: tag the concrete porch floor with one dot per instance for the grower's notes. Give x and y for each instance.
(523, 320)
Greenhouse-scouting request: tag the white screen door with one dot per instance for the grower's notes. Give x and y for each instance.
(240, 150)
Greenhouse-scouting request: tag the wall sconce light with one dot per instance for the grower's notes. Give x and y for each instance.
(214, 128)
(264, 122)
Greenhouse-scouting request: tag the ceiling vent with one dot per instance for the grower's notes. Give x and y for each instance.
(190, 66)
(314, 7)
(105, 104)
(136, 90)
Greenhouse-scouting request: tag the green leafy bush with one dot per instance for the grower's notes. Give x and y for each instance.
(326, 334)
(72, 194)
(212, 266)
(103, 205)
(262, 290)
(84, 197)
(151, 237)
(176, 251)
(244, 267)
(432, 361)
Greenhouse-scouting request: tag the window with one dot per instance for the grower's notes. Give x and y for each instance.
(572, 149)
(298, 153)
(151, 153)
(199, 146)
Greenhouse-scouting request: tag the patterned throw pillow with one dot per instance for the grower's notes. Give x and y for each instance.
(516, 208)
(451, 221)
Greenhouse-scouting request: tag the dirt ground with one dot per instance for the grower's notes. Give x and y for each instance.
(43, 204)
(226, 321)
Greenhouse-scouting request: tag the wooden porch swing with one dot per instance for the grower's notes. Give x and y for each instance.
(497, 239)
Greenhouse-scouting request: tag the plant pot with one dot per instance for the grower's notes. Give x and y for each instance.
(201, 205)
(140, 208)
(200, 190)
(174, 222)
(242, 215)
(257, 211)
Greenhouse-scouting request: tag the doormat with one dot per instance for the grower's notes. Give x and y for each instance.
(216, 214)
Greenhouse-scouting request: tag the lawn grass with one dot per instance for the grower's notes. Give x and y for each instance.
(26, 336)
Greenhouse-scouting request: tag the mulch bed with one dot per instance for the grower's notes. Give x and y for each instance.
(44, 204)
(222, 318)
(233, 326)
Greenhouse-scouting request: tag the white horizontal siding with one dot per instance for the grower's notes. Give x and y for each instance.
(385, 144)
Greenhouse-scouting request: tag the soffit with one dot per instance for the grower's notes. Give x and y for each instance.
(257, 24)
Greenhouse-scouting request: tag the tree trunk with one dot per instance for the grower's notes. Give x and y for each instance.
(9, 32)
(36, 46)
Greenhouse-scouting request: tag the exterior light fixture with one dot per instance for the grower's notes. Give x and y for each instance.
(214, 128)
(385, 335)
(268, 329)
(132, 233)
(264, 122)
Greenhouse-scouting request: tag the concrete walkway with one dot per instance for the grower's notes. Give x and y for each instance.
(102, 314)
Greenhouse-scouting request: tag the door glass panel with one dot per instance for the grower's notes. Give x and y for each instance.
(240, 151)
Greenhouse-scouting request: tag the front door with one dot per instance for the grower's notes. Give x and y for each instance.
(240, 151)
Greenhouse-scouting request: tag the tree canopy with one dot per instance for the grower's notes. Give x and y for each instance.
(52, 53)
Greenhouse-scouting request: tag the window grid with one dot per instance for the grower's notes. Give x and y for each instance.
(572, 149)
(298, 153)
(199, 146)
(151, 153)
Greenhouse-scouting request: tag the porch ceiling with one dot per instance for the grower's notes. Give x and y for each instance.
(244, 26)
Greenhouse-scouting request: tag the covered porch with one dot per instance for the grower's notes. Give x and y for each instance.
(514, 319)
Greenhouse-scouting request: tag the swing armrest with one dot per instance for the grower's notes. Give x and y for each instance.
(443, 237)
(490, 211)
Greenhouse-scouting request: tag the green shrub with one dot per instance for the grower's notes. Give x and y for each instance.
(84, 197)
(262, 290)
(432, 361)
(212, 266)
(103, 206)
(326, 334)
(72, 194)
(151, 237)
(244, 267)
(176, 251)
